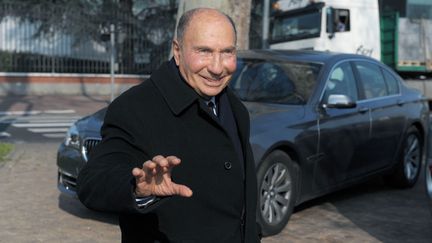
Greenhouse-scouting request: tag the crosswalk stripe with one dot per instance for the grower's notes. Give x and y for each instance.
(20, 113)
(59, 111)
(35, 112)
(48, 121)
(45, 130)
(28, 125)
(54, 135)
(4, 135)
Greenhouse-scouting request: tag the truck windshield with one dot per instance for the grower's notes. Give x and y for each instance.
(294, 27)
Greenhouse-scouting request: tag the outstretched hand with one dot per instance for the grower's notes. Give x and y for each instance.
(155, 178)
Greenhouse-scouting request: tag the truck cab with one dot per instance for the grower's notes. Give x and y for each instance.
(397, 33)
(327, 26)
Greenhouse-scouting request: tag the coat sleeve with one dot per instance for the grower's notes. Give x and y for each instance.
(106, 182)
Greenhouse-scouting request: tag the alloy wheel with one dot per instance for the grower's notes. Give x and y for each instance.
(429, 179)
(276, 190)
(412, 157)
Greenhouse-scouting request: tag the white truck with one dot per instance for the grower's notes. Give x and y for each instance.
(398, 33)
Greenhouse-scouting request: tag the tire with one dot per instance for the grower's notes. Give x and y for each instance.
(428, 182)
(407, 170)
(277, 191)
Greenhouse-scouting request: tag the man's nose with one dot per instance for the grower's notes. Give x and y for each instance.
(216, 65)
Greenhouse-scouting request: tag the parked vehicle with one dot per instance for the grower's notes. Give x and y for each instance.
(320, 121)
(395, 32)
(391, 31)
(428, 171)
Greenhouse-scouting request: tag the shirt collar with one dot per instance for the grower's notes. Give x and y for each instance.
(212, 99)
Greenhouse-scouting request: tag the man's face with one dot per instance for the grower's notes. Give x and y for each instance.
(207, 55)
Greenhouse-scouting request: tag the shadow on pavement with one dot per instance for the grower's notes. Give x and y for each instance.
(386, 213)
(73, 206)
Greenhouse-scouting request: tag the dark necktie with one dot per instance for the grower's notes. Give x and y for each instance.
(212, 107)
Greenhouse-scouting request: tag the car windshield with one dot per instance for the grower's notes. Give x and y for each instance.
(275, 81)
(286, 28)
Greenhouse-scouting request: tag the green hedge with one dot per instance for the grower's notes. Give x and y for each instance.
(5, 149)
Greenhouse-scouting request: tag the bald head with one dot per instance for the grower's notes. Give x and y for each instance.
(205, 50)
(188, 16)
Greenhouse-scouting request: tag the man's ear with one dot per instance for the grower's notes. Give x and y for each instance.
(176, 51)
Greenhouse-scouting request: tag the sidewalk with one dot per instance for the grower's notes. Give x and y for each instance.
(78, 104)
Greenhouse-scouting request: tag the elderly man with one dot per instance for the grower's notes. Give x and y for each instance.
(175, 160)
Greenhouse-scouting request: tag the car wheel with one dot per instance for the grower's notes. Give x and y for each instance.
(428, 181)
(277, 191)
(408, 166)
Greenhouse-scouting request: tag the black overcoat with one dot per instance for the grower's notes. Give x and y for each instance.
(163, 115)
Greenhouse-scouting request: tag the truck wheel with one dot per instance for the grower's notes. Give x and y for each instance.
(277, 191)
(407, 170)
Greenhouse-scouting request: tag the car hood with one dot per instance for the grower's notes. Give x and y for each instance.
(263, 117)
(90, 125)
(273, 116)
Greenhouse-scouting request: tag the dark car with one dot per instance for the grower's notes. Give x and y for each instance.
(319, 122)
(428, 170)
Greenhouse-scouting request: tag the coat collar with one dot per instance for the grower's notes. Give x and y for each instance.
(176, 92)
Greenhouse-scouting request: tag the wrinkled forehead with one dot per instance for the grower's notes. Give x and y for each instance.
(210, 20)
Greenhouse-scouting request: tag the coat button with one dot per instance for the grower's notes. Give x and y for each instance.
(227, 165)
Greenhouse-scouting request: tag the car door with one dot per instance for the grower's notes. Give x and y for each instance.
(380, 92)
(343, 132)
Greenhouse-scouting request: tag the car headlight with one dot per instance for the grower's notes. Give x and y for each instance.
(72, 137)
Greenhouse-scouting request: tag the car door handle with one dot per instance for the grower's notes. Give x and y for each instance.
(363, 110)
(400, 102)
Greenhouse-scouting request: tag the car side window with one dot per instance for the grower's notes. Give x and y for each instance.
(341, 81)
(269, 82)
(392, 83)
(280, 82)
(371, 79)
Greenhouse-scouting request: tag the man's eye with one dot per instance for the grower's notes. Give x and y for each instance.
(205, 51)
(229, 53)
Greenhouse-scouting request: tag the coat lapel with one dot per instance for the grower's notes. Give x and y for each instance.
(176, 92)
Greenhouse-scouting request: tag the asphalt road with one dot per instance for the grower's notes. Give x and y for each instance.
(43, 118)
(32, 209)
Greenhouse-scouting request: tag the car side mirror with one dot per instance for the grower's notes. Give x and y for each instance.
(339, 101)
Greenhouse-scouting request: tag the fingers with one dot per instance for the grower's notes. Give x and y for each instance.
(160, 163)
(155, 178)
(137, 172)
(158, 167)
(166, 161)
(182, 190)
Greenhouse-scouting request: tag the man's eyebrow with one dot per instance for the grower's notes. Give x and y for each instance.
(227, 49)
(202, 48)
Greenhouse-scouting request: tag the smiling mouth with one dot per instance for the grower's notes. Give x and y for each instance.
(213, 80)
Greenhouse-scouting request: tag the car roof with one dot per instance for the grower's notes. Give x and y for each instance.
(299, 55)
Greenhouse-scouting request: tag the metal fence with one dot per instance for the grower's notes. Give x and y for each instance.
(77, 42)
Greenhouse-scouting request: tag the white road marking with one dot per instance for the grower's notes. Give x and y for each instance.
(54, 135)
(19, 113)
(35, 112)
(59, 111)
(47, 123)
(28, 125)
(50, 121)
(45, 130)
(4, 135)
